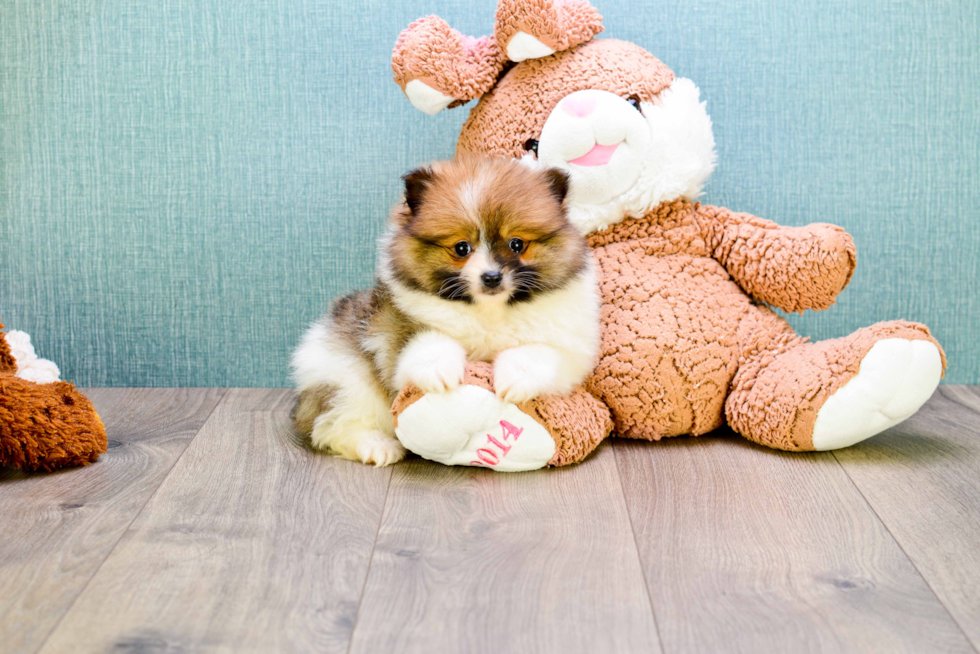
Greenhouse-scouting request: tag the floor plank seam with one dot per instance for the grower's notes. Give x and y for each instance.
(906, 554)
(636, 546)
(136, 515)
(367, 573)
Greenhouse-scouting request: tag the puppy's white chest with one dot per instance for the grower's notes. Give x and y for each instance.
(484, 337)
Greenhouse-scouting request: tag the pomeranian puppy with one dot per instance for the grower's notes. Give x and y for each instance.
(479, 263)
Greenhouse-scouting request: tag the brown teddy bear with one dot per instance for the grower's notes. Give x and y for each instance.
(690, 343)
(43, 426)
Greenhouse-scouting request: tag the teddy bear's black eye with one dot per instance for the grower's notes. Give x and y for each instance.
(462, 249)
(531, 145)
(635, 101)
(516, 245)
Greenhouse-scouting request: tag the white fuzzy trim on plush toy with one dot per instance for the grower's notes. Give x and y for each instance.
(29, 366)
(675, 162)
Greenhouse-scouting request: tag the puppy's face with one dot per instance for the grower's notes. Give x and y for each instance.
(485, 229)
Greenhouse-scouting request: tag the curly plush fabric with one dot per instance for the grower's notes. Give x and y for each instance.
(463, 67)
(690, 342)
(559, 24)
(577, 421)
(792, 268)
(7, 362)
(510, 115)
(45, 426)
(779, 389)
(684, 327)
(456, 65)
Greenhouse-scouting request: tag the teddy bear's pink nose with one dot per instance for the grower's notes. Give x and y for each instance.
(579, 107)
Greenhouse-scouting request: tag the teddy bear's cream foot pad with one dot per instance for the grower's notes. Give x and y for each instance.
(471, 426)
(425, 98)
(896, 377)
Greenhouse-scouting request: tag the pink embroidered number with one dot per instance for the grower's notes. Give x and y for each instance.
(487, 455)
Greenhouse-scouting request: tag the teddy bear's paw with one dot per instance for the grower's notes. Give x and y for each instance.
(471, 426)
(895, 379)
(533, 29)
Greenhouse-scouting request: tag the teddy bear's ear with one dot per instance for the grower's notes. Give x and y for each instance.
(438, 67)
(529, 29)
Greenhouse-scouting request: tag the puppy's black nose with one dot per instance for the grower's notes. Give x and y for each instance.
(492, 279)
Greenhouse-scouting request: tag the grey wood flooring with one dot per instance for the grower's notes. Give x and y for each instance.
(210, 527)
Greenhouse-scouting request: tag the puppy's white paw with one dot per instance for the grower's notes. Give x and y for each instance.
(433, 362)
(379, 448)
(523, 373)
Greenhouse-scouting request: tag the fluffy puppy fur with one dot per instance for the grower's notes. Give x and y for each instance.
(479, 263)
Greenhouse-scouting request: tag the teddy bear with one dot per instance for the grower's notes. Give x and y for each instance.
(45, 424)
(690, 338)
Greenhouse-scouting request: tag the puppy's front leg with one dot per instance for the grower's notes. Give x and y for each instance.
(522, 373)
(432, 361)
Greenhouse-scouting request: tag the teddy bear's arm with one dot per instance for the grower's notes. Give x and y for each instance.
(792, 268)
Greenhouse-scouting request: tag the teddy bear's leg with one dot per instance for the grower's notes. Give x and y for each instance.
(472, 426)
(795, 395)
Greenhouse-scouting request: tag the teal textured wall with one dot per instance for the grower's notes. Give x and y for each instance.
(184, 185)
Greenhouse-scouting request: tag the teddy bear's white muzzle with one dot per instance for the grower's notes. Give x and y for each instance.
(598, 138)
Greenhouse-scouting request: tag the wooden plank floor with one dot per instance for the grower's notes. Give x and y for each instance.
(209, 527)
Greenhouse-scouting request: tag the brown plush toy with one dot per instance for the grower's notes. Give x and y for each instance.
(44, 426)
(690, 342)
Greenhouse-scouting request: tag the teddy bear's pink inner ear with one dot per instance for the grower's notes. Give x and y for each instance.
(531, 29)
(438, 67)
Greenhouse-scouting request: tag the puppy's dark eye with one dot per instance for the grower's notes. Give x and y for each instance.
(531, 145)
(635, 101)
(462, 249)
(517, 245)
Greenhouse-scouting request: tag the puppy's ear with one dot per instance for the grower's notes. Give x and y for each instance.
(416, 182)
(558, 182)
